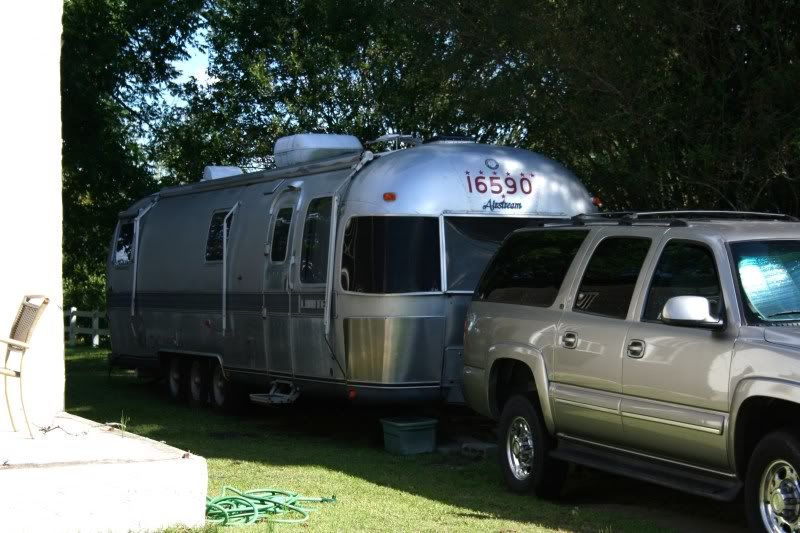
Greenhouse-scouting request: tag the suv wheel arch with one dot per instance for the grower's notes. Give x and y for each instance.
(760, 406)
(521, 371)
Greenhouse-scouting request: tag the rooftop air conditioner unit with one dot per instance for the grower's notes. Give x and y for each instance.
(215, 173)
(305, 147)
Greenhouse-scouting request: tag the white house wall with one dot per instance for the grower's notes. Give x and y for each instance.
(30, 189)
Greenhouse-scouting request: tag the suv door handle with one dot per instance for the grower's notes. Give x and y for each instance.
(636, 349)
(569, 340)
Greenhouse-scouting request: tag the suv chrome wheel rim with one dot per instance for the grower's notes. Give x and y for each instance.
(519, 448)
(780, 498)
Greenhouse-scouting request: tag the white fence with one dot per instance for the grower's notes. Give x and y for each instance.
(72, 328)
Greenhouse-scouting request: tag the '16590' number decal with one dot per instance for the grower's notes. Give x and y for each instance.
(495, 184)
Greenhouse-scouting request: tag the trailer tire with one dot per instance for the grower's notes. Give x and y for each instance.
(199, 377)
(225, 395)
(177, 378)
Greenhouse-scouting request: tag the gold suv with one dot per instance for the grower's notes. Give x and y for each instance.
(663, 346)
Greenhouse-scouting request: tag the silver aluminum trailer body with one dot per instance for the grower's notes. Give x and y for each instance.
(348, 276)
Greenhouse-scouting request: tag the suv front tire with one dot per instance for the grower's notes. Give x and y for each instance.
(523, 450)
(772, 484)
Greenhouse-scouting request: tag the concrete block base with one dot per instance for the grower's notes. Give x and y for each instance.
(84, 476)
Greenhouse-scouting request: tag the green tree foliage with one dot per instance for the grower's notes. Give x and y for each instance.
(681, 103)
(116, 63)
(653, 104)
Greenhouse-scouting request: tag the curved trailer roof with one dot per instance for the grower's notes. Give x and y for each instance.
(468, 178)
(433, 179)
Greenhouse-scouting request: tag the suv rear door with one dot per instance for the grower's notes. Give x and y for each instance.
(587, 383)
(675, 382)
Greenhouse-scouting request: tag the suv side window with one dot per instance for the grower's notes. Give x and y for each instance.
(610, 277)
(530, 267)
(684, 269)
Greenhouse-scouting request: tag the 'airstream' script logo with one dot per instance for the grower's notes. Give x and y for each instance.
(491, 205)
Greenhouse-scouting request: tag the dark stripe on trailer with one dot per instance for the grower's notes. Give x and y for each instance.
(321, 379)
(301, 304)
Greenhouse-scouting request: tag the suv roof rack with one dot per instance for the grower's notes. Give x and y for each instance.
(674, 218)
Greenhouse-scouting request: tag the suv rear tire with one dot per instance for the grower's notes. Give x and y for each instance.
(523, 448)
(772, 484)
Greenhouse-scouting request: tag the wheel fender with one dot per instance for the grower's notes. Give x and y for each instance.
(207, 355)
(778, 389)
(534, 359)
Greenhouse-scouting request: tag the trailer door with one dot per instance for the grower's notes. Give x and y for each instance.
(312, 357)
(277, 298)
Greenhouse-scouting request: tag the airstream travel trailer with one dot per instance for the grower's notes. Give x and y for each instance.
(341, 272)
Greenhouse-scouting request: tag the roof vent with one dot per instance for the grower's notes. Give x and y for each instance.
(215, 173)
(450, 139)
(305, 147)
(397, 141)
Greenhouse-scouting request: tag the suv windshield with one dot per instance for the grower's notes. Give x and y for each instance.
(769, 277)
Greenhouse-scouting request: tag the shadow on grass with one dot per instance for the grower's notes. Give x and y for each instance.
(345, 439)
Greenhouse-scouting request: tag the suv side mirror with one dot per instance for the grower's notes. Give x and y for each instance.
(690, 311)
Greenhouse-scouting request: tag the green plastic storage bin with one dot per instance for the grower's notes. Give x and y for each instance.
(406, 436)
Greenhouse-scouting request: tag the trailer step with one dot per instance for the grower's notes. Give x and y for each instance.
(281, 393)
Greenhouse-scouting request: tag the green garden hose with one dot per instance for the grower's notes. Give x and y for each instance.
(235, 507)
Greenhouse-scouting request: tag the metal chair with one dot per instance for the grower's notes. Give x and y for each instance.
(17, 344)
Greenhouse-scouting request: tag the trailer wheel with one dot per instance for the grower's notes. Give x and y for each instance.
(225, 396)
(177, 378)
(198, 382)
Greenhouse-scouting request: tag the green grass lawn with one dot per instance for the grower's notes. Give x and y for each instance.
(322, 450)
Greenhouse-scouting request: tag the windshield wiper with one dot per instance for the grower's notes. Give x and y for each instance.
(783, 313)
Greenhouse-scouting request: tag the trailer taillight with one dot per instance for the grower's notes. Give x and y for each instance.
(389, 197)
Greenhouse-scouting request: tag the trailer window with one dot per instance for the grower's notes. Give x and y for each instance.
(316, 236)
(123, 248)
(470, 242)
(280, 235)
(391, 255)
(214, 242)
(530, 267)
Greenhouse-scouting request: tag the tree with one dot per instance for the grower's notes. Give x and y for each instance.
(654, 105)
(116, 65)
(683, 104)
